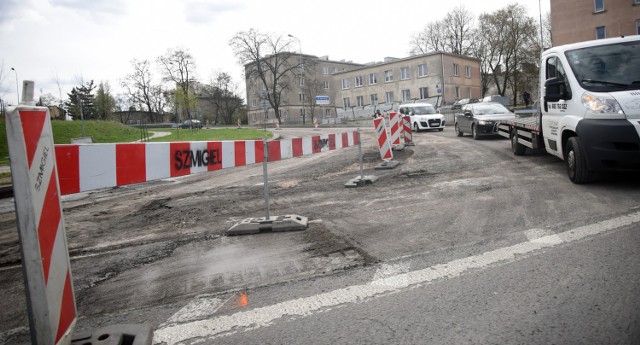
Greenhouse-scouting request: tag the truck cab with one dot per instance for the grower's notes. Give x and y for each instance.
(590, 105)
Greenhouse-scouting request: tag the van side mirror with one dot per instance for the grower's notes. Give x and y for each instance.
(468, 113)
(556, 89)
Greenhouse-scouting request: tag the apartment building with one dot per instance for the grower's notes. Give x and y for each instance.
(439, 77)
(583, 20)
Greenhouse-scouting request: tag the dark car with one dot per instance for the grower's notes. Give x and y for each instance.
(481, 119)
(191, 124)
(458, 105)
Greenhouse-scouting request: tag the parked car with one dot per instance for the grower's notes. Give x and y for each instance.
(423, 116)
(191, 123)
(458, 105)
(533, 111)
(481, 119)
(504, 100)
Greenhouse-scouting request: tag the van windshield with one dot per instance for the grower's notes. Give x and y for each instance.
(423, 110)
(607, 68)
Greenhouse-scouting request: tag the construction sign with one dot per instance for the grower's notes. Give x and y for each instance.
(45, 258)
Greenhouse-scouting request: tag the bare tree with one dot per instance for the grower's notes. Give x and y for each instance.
(222, 95)
(178, 67)
(138, 84)
(458, 29)
(430, 39)
(310, 90)
(507, 36)
(453, 34)
(269, 59)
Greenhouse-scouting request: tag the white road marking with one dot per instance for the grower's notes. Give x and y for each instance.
(538, 235)
(202, 330)
(196, 309)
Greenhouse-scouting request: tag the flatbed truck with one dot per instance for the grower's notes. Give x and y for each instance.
(589, 113)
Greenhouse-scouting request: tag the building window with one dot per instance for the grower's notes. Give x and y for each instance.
(455, 69)
(467, 71)
(373, 79)
(346, 103)
(335, 70)
(389, 97)
(457, 92)
(360, 101)
(374, 99)
(469, 92)
(600, 32)
(422, 70)
(388, 76)
(424, 92)
(404, 73)
(301, 82)
(358, 81)
(326, 85)
(325, 70)
(345, 84)
(254, 103)
(598, 6)
(301, 97)
(406, 95)
(303, 112)
(327, 112)
(638, 25)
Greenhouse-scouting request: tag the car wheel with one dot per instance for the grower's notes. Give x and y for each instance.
(474, 133)
(577, 162)
(416, 128)
(517, 148)
(457, 129)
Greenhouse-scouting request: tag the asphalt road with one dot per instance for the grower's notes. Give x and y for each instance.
(461, 243)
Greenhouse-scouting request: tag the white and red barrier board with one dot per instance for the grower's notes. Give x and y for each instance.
(50, 298)
(406, 123)
(382, 139)
(394, 123)
(85, 167)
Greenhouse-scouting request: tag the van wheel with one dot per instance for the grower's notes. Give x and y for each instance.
(416, 128)
(517, 148)
(577, 162)
(457, 129)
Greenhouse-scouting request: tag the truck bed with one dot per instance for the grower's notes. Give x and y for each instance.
(529, 123)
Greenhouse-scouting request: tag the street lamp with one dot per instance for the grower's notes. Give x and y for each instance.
(300, 65)
(17, 89)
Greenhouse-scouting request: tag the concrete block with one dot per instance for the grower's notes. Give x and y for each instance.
(386, 165)
(360, 181)
(248, 226)
(124, 334)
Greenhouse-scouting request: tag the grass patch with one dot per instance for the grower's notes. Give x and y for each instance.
(210, 134)
(115, 132)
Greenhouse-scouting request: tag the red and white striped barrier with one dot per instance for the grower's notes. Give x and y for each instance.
(85, 167)
(406, 125)
(381, 136)
(49, 289)
(394, 123)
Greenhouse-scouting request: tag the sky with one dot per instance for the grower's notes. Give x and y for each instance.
(67, 42)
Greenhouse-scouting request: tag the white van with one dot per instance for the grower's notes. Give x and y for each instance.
(423, 116)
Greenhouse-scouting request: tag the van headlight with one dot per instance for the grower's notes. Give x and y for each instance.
(601, 104)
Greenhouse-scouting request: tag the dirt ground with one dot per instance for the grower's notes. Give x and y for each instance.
(120, 238)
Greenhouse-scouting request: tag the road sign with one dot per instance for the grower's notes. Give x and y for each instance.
(439, 89)
(323, 100)
(264, 104)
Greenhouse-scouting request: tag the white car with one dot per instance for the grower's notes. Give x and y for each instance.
(423, 116)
